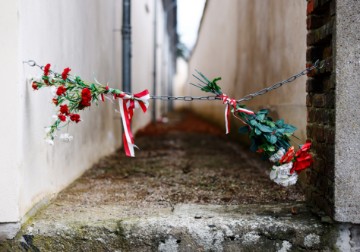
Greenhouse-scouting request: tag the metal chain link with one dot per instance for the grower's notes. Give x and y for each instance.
(210, 98)
(281, 83)
(247, 97)
(184, 98)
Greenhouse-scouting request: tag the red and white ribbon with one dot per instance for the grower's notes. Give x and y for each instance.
(127, 105)
(231, 103)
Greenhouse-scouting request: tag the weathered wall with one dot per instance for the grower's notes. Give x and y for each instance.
(321, 104)
(333, 102)
(253, 44)
(84, 35)
(65, 33)
(347, 137)
(9, 72)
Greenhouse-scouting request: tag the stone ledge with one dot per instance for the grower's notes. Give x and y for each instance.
(189, 227)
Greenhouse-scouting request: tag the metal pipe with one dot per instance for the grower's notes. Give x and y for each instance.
(155, 61)
(126, 46)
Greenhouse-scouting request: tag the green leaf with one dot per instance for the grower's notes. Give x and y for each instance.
(260, 117)
(262, 111)
(271, 148)
(264, 128)
(280, 123)
(253, 122)
(257, 131)
(270, 124)
(288, 134)
(272, 139)
(203, 76)
(280, 131)
(267, 147)
(289, 128)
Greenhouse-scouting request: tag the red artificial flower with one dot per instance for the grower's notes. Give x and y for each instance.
(303, 159)
(47, 69)
(260, 150)
(288, 156)
(85, 97)
(61, 90)
(35, 86)
(64, 109)
(75, 118)
(65, 73)
(55, 101)
(62, 117)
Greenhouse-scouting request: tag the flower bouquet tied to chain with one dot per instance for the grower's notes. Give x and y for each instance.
(268, 137)
(71, 95)
(271, 138)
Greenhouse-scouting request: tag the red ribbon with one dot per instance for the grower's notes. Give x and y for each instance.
(232, 103)
(127, 105)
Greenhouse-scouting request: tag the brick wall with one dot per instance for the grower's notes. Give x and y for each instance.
(320, 103)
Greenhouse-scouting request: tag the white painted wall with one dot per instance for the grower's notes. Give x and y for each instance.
(9, 107)
(253, 44)
(82, 35)
(65, 33)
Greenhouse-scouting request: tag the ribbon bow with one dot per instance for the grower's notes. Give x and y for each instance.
(127, 105)
(231, 103)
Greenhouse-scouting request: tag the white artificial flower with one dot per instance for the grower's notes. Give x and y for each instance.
(65, 137)
(278, 155)
(49, 141)
(281, 175)
(53, 90)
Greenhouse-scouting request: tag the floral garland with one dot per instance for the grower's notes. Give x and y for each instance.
(268, 137)
(72, 94)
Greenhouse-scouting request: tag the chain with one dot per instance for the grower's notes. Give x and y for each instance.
(247, 97)
(184, 98)
(281, 83)
(209, 98)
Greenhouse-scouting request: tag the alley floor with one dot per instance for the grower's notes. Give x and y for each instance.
(189, 188)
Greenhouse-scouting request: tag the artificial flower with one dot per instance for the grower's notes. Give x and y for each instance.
(64, 109)
(49, 141)
(61, 90)
(47, 69)
(35, 86)
(65, 137)
(53, 90)
(281, 174)
(303, 159)
(289, 155)
(62, 117)
(85, 97)
(75, 118)
(65, 73)
(55, 101)
(277, 156)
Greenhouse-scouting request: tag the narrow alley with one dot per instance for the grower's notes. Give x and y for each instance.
(189, 189)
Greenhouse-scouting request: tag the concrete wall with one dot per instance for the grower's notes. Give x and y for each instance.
(252, 44)
(347, 132)
(82, 35)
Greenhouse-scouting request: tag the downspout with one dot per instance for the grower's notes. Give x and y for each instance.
(155, 61)
(126, 46)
